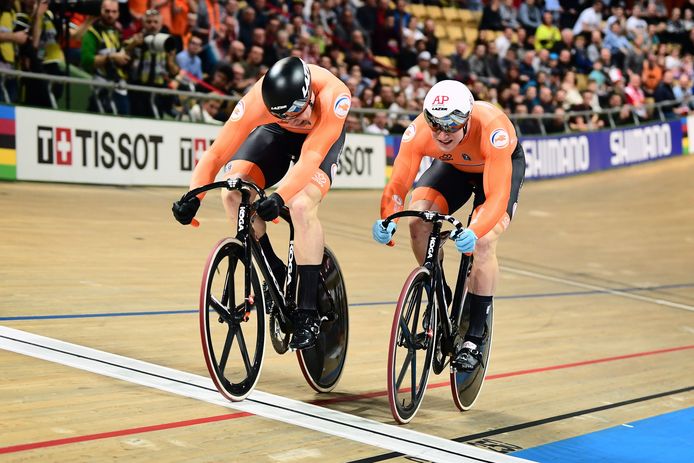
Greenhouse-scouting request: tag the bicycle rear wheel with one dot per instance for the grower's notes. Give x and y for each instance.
(411, 350)
(322, 365)
(233, 339)
(467, 385)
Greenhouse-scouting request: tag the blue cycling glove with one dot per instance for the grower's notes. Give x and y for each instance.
(381, 234)
(465, 241)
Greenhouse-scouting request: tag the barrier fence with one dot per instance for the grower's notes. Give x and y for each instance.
(657, 111)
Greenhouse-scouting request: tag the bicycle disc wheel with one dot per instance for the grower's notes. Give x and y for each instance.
(322, 365)
(411, 348)
(467, 385)
(233, 341)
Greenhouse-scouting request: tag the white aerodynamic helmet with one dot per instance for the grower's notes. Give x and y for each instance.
(448, 106)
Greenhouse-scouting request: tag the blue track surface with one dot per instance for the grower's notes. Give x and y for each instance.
(666, 438)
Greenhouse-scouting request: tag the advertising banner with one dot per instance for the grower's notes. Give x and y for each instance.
(548, 157)
(71, 147)
(362, 163)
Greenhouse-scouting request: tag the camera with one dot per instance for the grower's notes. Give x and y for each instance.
(160, 42)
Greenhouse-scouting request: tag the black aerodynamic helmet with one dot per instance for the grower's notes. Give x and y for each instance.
(287, 88)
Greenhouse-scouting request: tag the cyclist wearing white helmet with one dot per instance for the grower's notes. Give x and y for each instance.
(475, 150)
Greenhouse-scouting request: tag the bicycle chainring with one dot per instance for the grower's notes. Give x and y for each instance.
(280, 339)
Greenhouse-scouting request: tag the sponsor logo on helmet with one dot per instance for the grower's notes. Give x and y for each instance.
(277, 108)
(499, 138)
(409, 133)
(307, 81)
(342, 105)
(440, 100)
(238, 111)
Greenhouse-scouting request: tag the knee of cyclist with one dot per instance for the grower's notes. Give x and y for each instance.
(485, 248)
(419, 230)
(231, 200)
(302, 207)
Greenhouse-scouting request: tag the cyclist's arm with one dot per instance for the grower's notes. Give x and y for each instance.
(496, 181)
(248, 114)
(322, 137)
(405, 171)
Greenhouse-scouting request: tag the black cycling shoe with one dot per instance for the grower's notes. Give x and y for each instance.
(306, 329)
(467, 358)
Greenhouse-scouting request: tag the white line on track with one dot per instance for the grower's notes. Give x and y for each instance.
(394, 438)
(615, 292)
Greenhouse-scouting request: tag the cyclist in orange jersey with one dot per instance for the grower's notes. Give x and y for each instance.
(296, 112)
(475, 150)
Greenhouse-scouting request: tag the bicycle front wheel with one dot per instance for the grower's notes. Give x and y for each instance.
(411, 350)
(232, 332)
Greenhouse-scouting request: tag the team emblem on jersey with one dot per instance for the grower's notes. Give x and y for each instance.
(238, 111)
(409, 133)
(467, 157)
(446, 157)
(342, 105)
(499, 138)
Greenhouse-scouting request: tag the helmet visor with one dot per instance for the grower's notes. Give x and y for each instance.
(296, 108)
(450, 123)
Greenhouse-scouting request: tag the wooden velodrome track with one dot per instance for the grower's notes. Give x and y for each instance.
(594, 324)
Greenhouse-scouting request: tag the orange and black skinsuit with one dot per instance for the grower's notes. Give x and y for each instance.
(489, 161)
(261, 146)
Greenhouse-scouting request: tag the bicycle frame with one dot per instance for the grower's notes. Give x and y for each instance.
(449, 321)
(284, 299)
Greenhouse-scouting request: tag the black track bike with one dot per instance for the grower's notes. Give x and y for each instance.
(427, 330)
(238, 290)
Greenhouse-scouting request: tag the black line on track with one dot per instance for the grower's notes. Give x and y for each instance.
(147, 373)
(530, 424)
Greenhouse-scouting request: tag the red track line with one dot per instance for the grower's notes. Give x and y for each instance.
(513, 373)
(122, 432)
(231, 416)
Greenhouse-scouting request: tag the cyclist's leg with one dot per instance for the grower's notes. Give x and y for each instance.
(309, 244)
(484, 274)
(262, 159)
(308, 250)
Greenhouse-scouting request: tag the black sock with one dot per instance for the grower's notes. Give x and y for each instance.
(309, 279)
(479, 308)
(276, 264)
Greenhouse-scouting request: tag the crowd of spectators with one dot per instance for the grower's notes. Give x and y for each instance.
(530, 58)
